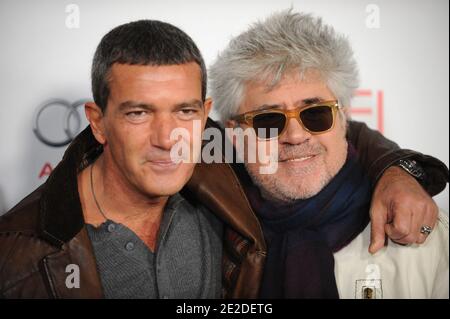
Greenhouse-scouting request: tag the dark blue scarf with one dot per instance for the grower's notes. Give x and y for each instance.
(302, 237)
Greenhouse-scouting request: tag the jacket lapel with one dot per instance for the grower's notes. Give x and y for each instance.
(72, 271)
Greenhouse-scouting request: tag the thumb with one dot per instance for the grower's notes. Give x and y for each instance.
(378, 213)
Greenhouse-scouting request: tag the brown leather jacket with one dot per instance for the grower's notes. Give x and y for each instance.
(45, 232)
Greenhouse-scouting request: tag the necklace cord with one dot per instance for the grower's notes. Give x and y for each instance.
(93, 193)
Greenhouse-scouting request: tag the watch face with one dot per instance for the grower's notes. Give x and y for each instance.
(412, 167)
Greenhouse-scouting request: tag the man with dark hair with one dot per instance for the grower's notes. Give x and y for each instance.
(118, 218)
(112, 207)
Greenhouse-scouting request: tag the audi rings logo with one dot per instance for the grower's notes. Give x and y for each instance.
(49, 117)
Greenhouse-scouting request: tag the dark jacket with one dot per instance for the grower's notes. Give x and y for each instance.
(45, 232)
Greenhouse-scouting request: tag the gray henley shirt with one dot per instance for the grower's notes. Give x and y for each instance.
(185, 264)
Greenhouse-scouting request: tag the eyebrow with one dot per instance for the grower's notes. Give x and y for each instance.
(269, 107)
(192, 103)
(127, 105)
(304, 102)
(309, 101)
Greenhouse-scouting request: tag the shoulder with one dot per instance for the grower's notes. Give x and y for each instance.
(24, 216)
(19, 230)
(21, 248)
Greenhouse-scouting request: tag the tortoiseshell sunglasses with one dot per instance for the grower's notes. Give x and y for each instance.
(316, 118)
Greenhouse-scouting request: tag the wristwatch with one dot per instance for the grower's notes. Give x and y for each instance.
(413, 168)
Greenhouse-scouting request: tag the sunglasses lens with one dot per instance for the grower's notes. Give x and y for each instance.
(263, 123)
(317, 119)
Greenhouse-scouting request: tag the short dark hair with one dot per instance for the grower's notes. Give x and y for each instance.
(143, 42)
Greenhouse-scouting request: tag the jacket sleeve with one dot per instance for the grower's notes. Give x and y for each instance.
(377, 153)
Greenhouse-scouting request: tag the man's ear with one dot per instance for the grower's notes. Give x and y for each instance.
(344, 117)
(207, 106)
(95, 117)
(346, 113)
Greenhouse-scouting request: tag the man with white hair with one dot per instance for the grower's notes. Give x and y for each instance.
(294, 74)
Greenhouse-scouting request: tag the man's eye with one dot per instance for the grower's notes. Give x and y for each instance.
(189, 111)
(188, 114)
(135, 115)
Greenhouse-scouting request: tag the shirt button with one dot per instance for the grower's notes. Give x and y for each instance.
(129, 246)
(111, 227)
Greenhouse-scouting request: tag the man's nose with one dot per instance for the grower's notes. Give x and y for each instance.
(162, 126)
(294, 133)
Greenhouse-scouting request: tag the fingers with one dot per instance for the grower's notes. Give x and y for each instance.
(411, 235)
(408, 221)
(405, 210)
(379, 217)
(430, 218)
(400, 227)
